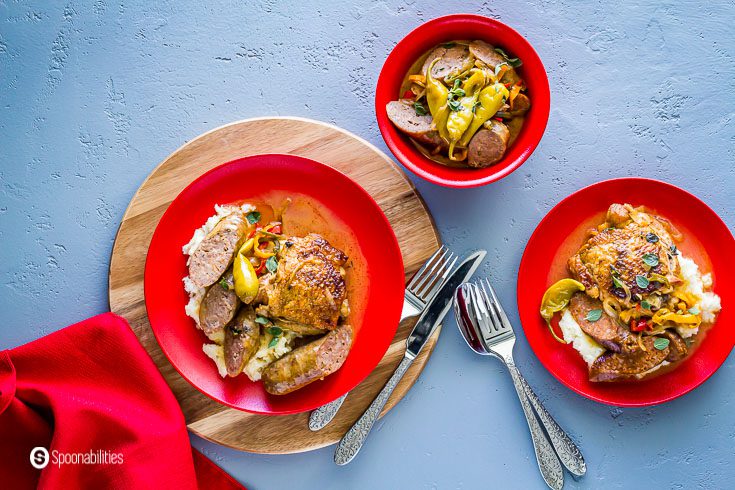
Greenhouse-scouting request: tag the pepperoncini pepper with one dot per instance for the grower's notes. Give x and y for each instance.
(461, 116)
(490, 100)
(436, 96)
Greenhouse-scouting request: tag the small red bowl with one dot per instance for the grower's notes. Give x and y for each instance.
(707, 240)
(244, 179)
(445, 29)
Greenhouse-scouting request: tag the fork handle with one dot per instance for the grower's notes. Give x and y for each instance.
(548, 461)
(568, 452)
(350, 444)
(320, 417)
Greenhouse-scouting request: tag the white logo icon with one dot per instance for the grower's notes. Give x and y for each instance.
(39, 457)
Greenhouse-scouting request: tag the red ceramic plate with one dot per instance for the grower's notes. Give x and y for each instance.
(707, 240)
(245, 179)
(455, 27)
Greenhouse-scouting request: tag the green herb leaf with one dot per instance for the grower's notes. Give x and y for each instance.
(617, 282)
(275, 331)
(457, 83)
(661, 343)
(650, 259)
(501, 52)
(645, 305)
(475, 106)
(271, 264)
(454, 105)
(642, 281)
(673, 250)
(652, 237)
(694, 310)
(515, 62)
(262, 320)
(223, 282)
(458, 92)
(273, 342)
(449, 45)
(253, 217)
(594, 315)
(419, 108)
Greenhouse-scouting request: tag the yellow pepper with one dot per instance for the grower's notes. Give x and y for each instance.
(261, 252)
(664, 315)
(436, 96)
(246, 280)
(491, 99)
(556, 298)
(459, 120)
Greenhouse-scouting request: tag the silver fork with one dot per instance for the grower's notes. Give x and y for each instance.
(420, 291)
(496, 337)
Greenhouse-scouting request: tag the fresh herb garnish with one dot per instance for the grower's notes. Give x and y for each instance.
(616, 279)
(475, 106)
(645, 305)
(273, 342)
(419, 108)
(253, 217)
(642, 281)
(225, 285)
(650, 259)
(514, 62)
(454, 105)
(275, 331)
(652, 237)
(694, 310)
(271, 264)
(594, 315)
(660, 343)
(262, 320)
(673, 250)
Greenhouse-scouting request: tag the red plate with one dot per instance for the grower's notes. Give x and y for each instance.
(454, 27)
(245, 179)
(707, 240)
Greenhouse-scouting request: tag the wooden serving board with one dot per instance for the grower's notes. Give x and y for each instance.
(355, 157)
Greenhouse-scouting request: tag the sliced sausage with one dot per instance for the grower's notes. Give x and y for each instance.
(309, 362)
(677, 347)
(214, 255)
(487, 54)
(630, 362)
(242, 338)
(605, 331)
(218, 306)
(520, 105)
(420, 128)
(488, 146)
(452, 60)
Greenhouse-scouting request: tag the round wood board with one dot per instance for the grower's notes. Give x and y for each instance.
(353, 156)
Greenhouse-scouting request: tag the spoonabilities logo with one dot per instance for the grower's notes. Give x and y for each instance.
(39, 457)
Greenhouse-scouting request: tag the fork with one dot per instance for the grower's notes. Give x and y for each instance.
(420, 291)
(499, 338)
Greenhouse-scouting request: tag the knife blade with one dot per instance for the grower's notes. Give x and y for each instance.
(437, 310)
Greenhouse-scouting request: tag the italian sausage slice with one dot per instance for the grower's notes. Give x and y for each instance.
(403, 115)
(309, 362)
(242, 338)
(214, 255)
(488, 146)
(218, 307)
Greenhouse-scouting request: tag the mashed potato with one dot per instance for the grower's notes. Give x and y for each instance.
(583, 343)
(697, 284)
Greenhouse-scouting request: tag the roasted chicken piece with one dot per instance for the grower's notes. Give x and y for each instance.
(307, 291)
(628, 257)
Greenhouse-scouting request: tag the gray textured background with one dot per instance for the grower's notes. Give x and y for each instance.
(94, 94)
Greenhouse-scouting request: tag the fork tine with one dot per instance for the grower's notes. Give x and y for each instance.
(505, 323)
(491, 305)
(437, 282)
(483, 315)
(431, 275)
(433, 261)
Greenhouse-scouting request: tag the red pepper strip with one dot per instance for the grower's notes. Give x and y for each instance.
(500, 119)
(276, 229)
(408, 95)
(260, 268)
(639, 325)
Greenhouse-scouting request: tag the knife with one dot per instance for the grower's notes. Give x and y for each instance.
(350, 444)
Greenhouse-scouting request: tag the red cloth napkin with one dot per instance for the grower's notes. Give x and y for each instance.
(88, 393)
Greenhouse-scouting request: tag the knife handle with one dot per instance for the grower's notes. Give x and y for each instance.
(350, 444)
(548, 461)
(320, 417)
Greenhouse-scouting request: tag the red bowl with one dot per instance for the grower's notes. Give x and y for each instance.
(444, 29)
(241, 179)
(707, 240)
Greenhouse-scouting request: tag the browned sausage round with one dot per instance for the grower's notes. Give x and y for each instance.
(403, 115)
(214, 255)
(309, 362)
(242, 338)
(452, 60)
(218, 306)
(488, 146)
(520, 105)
